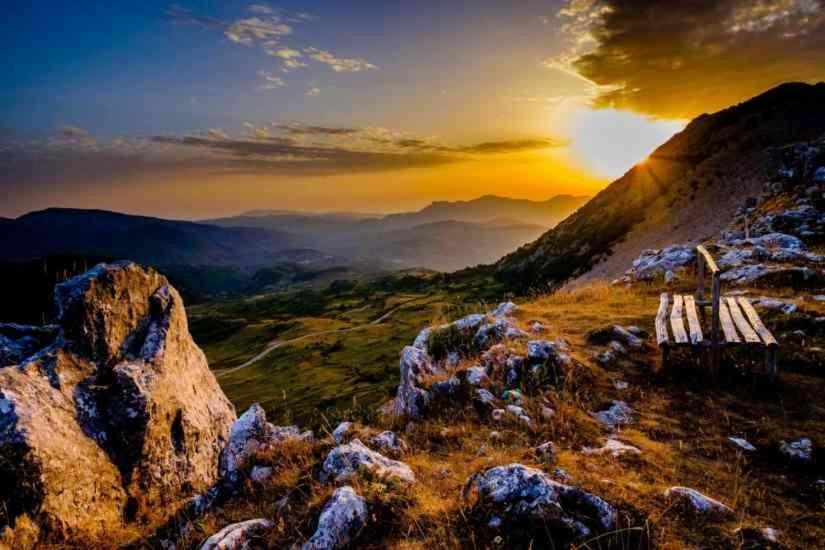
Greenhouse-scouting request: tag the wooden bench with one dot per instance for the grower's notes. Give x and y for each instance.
(733, 320)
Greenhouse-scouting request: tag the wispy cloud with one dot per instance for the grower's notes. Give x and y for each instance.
(271, 82)
(313, 92)
(339, 64)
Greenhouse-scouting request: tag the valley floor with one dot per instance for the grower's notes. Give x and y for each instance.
(682, 424)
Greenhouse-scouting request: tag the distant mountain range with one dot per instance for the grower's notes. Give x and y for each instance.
(442, 236)
(688, 189)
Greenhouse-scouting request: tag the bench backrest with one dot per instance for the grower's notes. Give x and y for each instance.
(704, 261)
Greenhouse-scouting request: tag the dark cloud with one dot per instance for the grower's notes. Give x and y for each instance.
(514, 146)
(679, 59)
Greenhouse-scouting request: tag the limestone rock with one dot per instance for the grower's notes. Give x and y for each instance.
(108, 430)
(342, 518)
(527, 498)
(801, 450)
(345, 461)
(696, 502)
(743, 444)
(613, 447)
(238, 536)
(617, 414)
(339, 435)
(504, 309)
(477, 376)
(252, 434)
(390, 444)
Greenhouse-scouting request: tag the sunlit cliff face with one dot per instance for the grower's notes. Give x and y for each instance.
(317, 105)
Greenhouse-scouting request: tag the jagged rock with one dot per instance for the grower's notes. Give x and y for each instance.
(613, 447)
(500, 328)
(556, 352)
(762, 274)
(742, 444)
(512, 374)
(260, 474)
(251, 434)
(238, 536)
(694, 501)
(537, 328)
(444, 390)
(773, 303)
(629, 339)
(546, 452)
(617, 347)
(618, 414)
(669, 277)
(655, 262)
(477, 376)
(453, 359)
(484, 401)
(470, 322)
(410, 399)
(344, 516)
(801, 450)
(420, 341)
(605, 358)
(18, 342)
(752, 538)
(390, 444)
(527, 498)
(340, 433)
(107, 431)
(345, 461)
(504, 309)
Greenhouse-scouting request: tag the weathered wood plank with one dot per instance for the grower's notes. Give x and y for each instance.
(661, 320)
(693, 320)
(741, 323)
(703, 254)
(756, 322)
(727, 324)
(677, 324)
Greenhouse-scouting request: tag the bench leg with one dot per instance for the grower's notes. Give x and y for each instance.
(665, 357)
(770, 363)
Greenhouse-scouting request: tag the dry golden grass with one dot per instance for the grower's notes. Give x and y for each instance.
(684, 420)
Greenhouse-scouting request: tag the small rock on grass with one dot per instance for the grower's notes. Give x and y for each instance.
(618, 414)
(390, 444)
(342, 518)
(800, 451)
(237, 536)
(339, 435)
(742, 443)
(613, 447)
(345, 461)
(696, 502)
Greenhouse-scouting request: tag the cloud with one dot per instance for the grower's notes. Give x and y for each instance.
(217, 133)
(72, 132)
(295, 128)
(271, 82)
(679, 59)
(313, 92)
(247, 31)
(286, 53)
(263, 9)
(339, 64)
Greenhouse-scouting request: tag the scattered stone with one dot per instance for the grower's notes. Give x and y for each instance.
(498, 414)
(260, 474)
(504, 309)
(628, 338)
(801, 450)
(340, 434)
(453, 359)
(484, 401)
(238, 536)
(252, 434)
(477, 376)
(620, 385)
(343, 517)
(605, 358)
(613, 447)
(444, 390)
(494, 435)
(347, 460)
(743, 444)
(411, 400)
(545, 351)
(669, 277)
(655, 262)
(753, 537)
(523, 497)
(390, 444)
(470, 322)
(618, 414)
(537, 328)
(773, 303)
(420, 341)
(562, 474)
(546, 413)
(546, 452)
(698, 503)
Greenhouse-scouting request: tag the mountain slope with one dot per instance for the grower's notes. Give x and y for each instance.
(687, 189)
(151, 240)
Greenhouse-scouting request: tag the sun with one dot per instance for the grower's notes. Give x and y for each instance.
(610, 142)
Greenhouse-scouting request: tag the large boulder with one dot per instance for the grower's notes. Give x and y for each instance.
(348, 460)
(110, 428)
(516, 498)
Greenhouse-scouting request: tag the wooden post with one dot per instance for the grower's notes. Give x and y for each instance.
(716, 350)
(770, 363)
(700, 276)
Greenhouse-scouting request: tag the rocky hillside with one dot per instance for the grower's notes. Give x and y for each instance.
(688, 189)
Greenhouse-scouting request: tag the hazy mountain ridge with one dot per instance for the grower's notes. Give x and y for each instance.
(689, 188)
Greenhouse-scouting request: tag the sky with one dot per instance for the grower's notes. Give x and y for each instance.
(204, 108)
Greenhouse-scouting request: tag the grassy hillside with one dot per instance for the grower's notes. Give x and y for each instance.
(688, 189)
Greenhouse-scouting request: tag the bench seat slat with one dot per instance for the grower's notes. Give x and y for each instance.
(727, 324)
(661, 320)
(677, 324)
(694, 327)
(758, 326)
(742, 324)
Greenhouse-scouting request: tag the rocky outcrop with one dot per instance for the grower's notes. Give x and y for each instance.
(343, 517)
(390, 444)
(617, 414)
(238, 536)
(107, 430)
(346, 461)
(518, 498)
